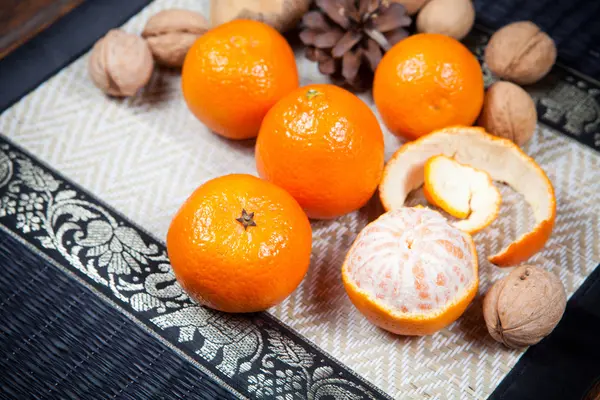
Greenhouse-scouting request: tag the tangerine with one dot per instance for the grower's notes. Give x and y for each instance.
(239, 244)
(324, 146)
(410, 272)
(234, 73)
(427, 82)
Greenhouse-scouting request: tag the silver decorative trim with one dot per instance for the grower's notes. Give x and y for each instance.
(253, 354)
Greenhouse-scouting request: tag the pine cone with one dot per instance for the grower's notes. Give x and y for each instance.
(348, 37)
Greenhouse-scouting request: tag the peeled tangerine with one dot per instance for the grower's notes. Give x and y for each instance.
(503, 160)
(463, 192)
(411, 272)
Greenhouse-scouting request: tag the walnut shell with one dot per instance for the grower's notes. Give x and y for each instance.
(520, 52)
(171, 33)
(524, 307)
(120, 63)
(280, 14)
(453, 18)
(412, 6)
(509, 112)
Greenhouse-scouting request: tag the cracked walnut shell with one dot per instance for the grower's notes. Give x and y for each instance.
(120, 63)
(171, 33)
(524, 307)
(520, 52)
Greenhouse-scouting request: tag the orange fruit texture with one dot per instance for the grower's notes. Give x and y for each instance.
(410, 272)
(426, 82)
(234, 73)
(325, 147)
(239, 244)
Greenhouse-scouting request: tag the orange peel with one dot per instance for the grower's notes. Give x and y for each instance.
(503, 160)
(462, 191)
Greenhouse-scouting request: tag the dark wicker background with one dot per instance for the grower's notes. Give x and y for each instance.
(60, 340)
(573, 24)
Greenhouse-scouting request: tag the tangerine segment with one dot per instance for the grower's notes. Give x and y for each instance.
(503, 160)
(411, 272)
(463, 192)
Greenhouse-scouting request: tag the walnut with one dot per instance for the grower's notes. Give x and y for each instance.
(280, 14)
(171, 33)
(120, 63)
(453, 18)
(520, 52)
(524, 307)
(509, 112)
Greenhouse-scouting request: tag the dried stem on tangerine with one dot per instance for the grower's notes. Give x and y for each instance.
(246, 219)
(312, 93)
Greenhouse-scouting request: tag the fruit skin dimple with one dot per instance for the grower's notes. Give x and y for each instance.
(234, 73)
(227, 267)
(325, 147)
(426, 82)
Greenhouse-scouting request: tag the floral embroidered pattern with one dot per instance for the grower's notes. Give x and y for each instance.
(260, 385)
(8, 206)
(254, 354)
(28, 222)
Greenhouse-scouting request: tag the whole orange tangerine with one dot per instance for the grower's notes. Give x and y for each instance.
(239, 244)
(325, 147)
(411, 272)
(427, 82)
(234, 73)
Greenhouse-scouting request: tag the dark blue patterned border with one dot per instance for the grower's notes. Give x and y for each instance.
(254, 354)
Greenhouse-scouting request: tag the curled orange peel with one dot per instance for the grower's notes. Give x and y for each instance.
(462, 191)
(503, 160)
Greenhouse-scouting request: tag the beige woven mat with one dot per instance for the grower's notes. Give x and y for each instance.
(146, 154)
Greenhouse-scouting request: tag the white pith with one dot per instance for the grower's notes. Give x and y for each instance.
(384, 256)
(503, 162)
(465, 189)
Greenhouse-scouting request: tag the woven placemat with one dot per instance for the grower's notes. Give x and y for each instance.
(143, 156)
